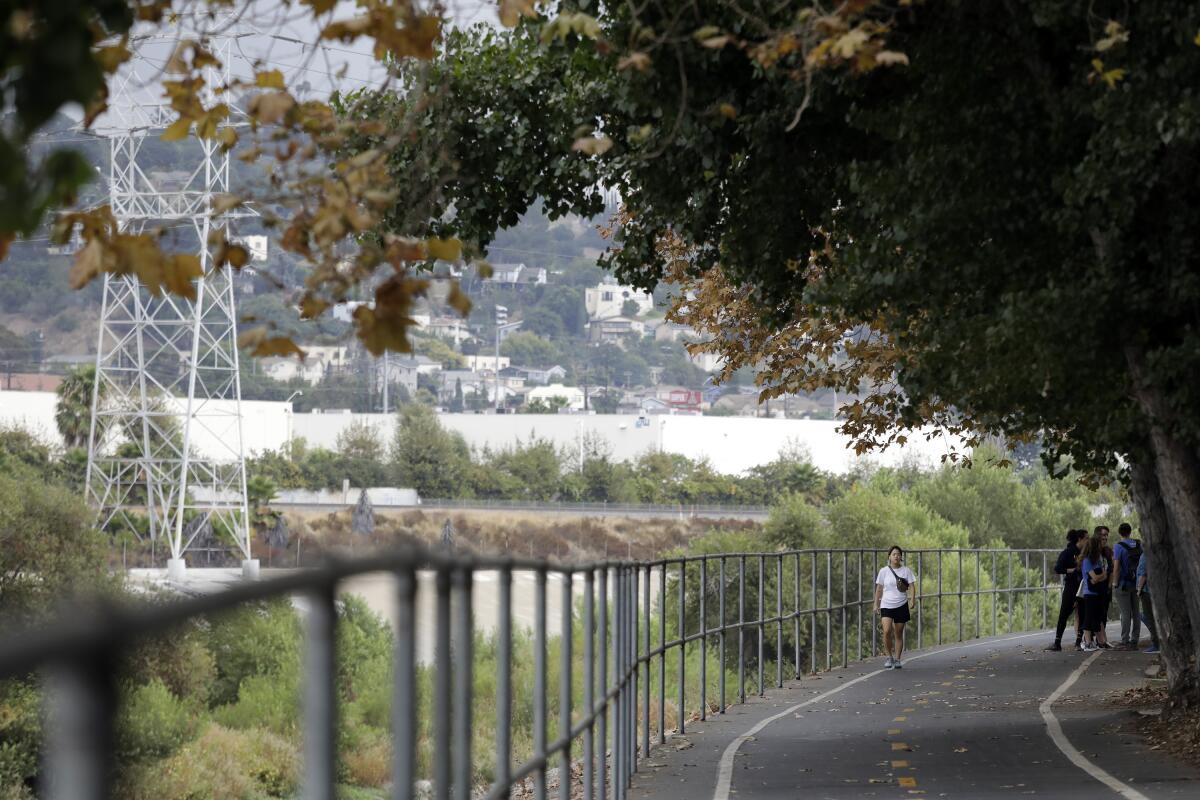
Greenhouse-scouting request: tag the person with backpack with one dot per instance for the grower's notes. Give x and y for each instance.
(1143, 588)
(1126, 556)
(895, 595)
(1067, 565)
(1095, 577)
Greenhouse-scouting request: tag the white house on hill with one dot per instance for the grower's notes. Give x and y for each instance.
(571, 394)
(608, 300)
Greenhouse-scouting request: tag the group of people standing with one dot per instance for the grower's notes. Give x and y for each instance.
(1093, 574)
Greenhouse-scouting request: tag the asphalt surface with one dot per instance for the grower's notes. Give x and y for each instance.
(956, 722)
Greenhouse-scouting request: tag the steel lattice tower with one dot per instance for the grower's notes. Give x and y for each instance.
(166, 433)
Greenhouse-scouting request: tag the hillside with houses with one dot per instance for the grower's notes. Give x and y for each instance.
(549, 331)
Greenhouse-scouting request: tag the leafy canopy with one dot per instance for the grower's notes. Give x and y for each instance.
(1002, 220)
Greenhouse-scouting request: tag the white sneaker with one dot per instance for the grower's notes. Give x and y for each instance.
(896, 664)
(889, 663)
(1089, 648)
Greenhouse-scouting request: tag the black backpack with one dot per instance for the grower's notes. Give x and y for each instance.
(1133, 552)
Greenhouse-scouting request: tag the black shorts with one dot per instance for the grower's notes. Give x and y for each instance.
(1093, 613)
(898, 614)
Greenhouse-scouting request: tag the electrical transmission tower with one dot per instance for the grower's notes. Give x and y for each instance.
(165, 451)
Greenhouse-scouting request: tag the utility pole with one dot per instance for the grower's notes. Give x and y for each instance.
(503, 326)
(501, 318)
(385, 381)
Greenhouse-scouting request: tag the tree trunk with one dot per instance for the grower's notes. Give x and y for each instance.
(1166, 485)
(1167, 589)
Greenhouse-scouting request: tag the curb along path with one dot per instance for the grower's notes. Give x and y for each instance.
(967, 721)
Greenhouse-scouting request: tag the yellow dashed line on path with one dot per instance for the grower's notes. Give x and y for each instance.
(900, 719)
(899, 764)
(907, 782)
(893, 731)
(901, 746)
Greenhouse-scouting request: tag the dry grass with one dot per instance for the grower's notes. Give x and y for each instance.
(563, 537)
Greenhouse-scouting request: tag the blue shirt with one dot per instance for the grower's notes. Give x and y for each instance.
(1087, 567)
(1123, 553)
(1141, 572)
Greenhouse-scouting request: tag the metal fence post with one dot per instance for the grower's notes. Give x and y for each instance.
(464, 675)
(812, 627)
(741, 629)
(682, 648)
(779, 621)
(442, 688)
(859, 624)
(589, 700)
(539, 682)
(618, 664)
(646, 681)
(762, 588)
(845, 618)
(564, 689)
(1025, 598)
(81, 704)
(995, 590)
(602, 663)
(828, 610)
(939, 597)
(504, 683)
(623, 681)
(404, 685)
(920, 602)
(960, 595)
(875, 617)
(703, 639)
(1045, 623)
(1009, 585)
(978, 594)
(721, 613)
(662, 657)
(796, 618)
(631, 669)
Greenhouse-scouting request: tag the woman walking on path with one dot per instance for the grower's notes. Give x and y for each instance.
(1068, 566)
(1096, 575)
(895, 594)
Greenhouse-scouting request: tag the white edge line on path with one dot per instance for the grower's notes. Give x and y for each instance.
(725, 767)
(1073, 755)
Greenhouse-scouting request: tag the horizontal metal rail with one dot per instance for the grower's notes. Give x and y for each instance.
(624, 617)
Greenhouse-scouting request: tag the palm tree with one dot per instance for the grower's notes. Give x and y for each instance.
(73, 414)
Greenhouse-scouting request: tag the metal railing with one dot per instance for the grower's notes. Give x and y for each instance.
(630, 618)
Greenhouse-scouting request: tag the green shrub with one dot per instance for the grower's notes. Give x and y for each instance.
(220, 764)
(20, 730)
(256, 640)
(271, 702)
(180, 659)
(153, 723)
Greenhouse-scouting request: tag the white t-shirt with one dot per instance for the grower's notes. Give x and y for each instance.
(893, 597)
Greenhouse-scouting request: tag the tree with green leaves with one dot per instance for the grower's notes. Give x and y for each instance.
(529, 350)
(73, 408)
(427, 457)
(458, 402)
(993, 232)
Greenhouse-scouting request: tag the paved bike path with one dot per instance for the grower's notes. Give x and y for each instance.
(956, 722)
